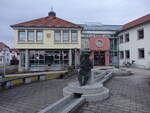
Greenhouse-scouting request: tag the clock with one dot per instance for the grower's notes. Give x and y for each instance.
(99, 43)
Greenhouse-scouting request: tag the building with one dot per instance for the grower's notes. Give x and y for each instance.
(5, 56)
(101, 39)
(15, 53)
(134, 43)
(48, 42)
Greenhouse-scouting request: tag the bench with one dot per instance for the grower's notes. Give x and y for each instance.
(25, 80)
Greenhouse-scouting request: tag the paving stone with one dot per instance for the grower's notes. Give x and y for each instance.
(128, 94)
(31, 98)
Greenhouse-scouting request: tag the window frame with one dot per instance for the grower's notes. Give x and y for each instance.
(121, 37)
(65, 31)
(19, 36)
(57, 41)
(28, 38)
(127, 39)
(41, 31)
(127, 56)
(76, 32)
(121, 55)
(138, 33)
(139, 56)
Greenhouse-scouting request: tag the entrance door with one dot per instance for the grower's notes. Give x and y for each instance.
(99, 58)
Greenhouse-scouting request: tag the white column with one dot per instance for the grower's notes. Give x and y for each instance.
(19, 66)
(61, 36)
(70, 57)
(26, 59)
(70, 38)
(26, 36)
(75, 58)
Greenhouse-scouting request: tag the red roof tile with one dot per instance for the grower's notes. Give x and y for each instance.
(136, 22)
(15, 50)
(49, 21)
(2, 45)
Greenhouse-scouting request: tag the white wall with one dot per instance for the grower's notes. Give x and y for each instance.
(7, 57)
(134, 44)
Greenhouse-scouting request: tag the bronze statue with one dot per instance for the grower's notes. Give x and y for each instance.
(85, 68)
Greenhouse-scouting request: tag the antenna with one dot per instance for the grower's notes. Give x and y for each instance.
(52, 8)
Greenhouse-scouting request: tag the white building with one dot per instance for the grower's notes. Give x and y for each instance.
(4, 51)
(134, 42)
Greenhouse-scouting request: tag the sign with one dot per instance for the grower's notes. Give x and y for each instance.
(99, 43)
(48, 35)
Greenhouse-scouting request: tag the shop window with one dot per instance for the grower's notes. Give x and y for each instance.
(127, 52)
(121, 55)
(127, 37)
(65, 36)
(121, 39)
(141, 53)
(74, 36)
(57, 36)
(39, 36)
(140, 34)
(21, 36)
(30, 36)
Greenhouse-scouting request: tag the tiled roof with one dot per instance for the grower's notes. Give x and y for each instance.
(136, 22)
(49, 21)
(15, 50)
(101, 27)
(2, 45)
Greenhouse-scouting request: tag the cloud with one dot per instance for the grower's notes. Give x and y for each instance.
(77, 11)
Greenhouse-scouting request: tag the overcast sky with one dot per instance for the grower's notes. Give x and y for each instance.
(78, 11)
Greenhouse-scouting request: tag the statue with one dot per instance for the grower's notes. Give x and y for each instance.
(85, 68)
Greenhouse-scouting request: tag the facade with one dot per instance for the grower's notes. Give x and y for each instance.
(14, 53)
(134, 43)
(47, 42)
(101, 39)
(5, 54)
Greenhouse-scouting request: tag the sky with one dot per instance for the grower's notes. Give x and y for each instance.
(112, 12)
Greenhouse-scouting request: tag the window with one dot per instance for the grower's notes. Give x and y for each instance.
(141, 53)
(39, 36)
(65, 36)
(74, 36)
(21, 36)
(30, 36)
(121, 55)
(127, 52)
(140, 34)
(1, 59)
(57, 36)
(121, 39)
(127, 37)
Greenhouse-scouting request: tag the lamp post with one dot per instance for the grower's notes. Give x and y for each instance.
(4, 61)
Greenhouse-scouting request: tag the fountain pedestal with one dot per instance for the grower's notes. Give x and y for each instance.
(91, 92)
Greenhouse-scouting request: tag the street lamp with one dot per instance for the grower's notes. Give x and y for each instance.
(4, 59)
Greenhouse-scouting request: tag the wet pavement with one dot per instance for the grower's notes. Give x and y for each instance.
(128, 94)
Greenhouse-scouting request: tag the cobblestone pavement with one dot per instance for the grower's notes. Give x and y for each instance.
(128, 94)
(31, 98)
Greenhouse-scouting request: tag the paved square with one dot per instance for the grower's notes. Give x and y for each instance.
(128, 94)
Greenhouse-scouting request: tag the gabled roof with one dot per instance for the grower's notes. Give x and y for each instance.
(2, 45)
(49, 21)
(101, 27)
(136, 22)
